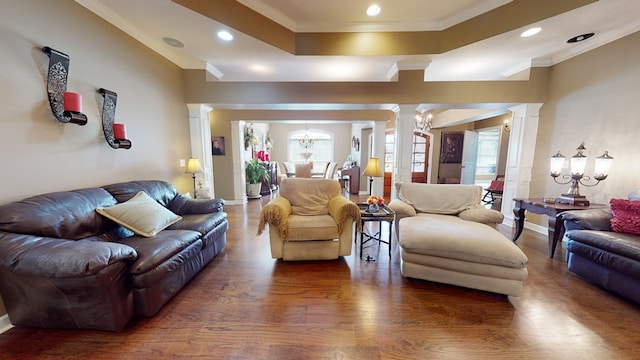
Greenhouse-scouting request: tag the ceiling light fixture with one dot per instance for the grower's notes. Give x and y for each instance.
(579, 38)
(531, 32)
(225, 35)
(173, 42)
(373, 10)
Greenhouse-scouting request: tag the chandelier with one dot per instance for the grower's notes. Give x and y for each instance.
(423, 121)
(306, 142)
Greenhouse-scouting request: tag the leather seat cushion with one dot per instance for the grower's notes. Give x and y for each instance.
(152, 251)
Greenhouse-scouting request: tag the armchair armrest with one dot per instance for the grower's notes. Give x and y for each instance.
(591, 219)
(275, 213)
(341, 208)
(59, 258)
(183, 205)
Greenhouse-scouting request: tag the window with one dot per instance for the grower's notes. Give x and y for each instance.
(488, 146)
(389, 140)
(321, 150)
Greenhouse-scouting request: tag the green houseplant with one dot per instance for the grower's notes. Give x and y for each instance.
(255, 173)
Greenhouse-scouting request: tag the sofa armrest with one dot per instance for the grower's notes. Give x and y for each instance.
(59, 258)
(591, 219)
(482, 215)
(275, 213)
(183, 205)
(401, 208)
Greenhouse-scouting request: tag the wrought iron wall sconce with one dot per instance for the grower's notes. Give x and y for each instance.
(115, 134)
(506, 125)
(66, 106)
(578, 163)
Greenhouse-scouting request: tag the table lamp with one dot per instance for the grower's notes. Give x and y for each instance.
(372, 170)
(193, 167)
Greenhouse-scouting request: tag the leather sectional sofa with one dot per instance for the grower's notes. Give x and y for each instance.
(598, 254)
(63, 265)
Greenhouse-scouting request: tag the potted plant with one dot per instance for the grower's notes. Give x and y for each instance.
(255, 173)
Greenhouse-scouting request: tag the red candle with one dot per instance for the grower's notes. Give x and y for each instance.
(72, 101)
(119, 131)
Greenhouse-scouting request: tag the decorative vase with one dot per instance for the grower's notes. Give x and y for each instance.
(373, 208)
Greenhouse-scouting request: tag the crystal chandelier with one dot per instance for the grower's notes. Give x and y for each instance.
(306, 142)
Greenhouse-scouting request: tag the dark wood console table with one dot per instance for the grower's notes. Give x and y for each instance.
(354, 178)
(538, 206)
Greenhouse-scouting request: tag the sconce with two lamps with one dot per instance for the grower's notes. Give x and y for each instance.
(578, 163)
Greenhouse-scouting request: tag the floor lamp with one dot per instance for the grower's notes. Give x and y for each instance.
(372, 170)
(193, 167)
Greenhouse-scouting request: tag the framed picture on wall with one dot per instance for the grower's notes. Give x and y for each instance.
(451, 148)
(217, 145)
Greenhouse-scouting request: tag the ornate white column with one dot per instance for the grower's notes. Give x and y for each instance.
(522, 147)
(200, 132)
(378, 151)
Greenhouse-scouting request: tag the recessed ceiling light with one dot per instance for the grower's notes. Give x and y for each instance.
(225, 35)
(579, 38)
(173, 42)
(531, 32)
(373, 10)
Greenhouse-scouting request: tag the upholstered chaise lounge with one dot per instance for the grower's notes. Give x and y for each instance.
(309, 220)
(447, 236)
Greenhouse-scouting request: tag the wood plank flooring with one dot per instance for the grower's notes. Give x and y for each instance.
(245, 305)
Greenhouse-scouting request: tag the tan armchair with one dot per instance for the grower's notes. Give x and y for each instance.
(309, 220)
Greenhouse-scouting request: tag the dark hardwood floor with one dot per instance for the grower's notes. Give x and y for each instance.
(245, 305)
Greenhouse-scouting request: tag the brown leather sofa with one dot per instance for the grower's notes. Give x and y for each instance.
(62, 265)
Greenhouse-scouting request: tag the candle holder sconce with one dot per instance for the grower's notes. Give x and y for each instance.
(108, 117)
(57, 86)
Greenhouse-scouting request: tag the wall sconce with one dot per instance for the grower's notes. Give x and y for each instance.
(193, 167)
(578, 163)
(423, 121)
(372, 170)
(66, 106)
(115, 134)
(507, 125)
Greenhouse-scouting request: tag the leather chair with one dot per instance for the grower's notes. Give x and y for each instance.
(309, 220)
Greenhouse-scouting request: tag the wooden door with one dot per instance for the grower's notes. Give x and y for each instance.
(469, 157)
(420, 157)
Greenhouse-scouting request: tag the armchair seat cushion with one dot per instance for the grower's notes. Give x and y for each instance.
(303, 228)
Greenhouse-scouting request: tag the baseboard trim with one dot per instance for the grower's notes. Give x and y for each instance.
(5, 324)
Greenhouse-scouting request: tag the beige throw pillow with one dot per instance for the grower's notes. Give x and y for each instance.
(140, 214)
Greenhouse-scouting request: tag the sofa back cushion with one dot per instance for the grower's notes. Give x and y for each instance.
(309, 196)
(440, 198)
(160, 191)
(65, 215)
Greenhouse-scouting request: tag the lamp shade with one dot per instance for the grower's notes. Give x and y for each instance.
(373, 168)
(603, 164)
(557, 161)
(193, 166)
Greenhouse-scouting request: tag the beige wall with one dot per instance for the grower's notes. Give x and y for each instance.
(593, 98)
(40, 155)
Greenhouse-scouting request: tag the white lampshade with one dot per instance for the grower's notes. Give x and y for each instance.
(602, 165)
(373, 168)
(193, 166)
(557, 161)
